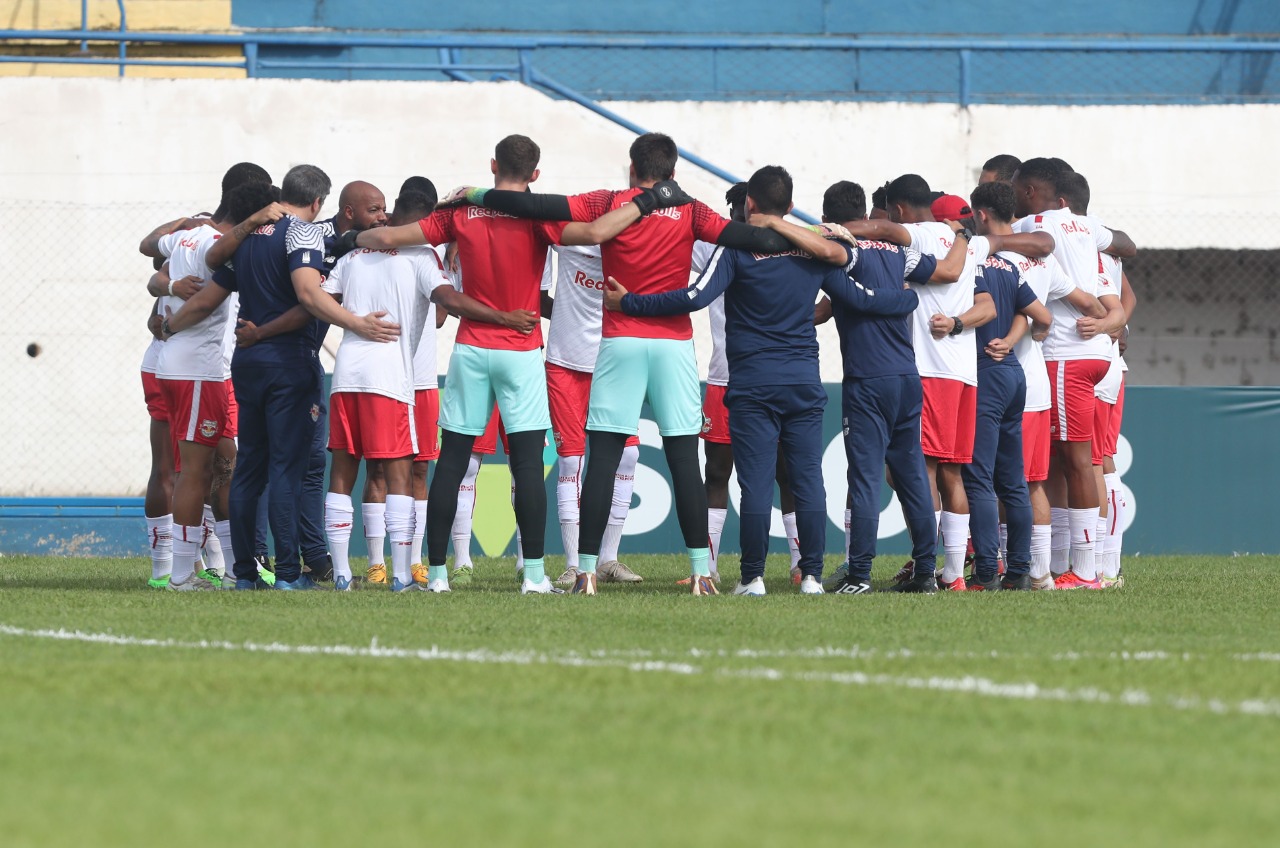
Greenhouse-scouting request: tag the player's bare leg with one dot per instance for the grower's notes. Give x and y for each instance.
(224, 466)
(191, 487)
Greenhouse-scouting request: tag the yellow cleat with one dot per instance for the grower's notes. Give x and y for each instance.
(377, 574)
(419, 573)
(703, 586)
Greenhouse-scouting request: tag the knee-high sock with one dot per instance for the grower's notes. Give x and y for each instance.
(955, 541)
(715, 529)
(160, 543)
(442, 497)
(848, 532)
(400, 517)
(1083, 525)
(1041, 539)
(419, 531)
(1115, 526)
(212, 545)
(793, 537)
(624, 482)
(222, 532)
(339, 514)
(464, 513)
(375, 530)
(530, 504)
(603, 456)
(568, 490)
(186, 547)
(1060, 544)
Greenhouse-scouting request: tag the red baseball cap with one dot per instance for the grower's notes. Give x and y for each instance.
(950, 207)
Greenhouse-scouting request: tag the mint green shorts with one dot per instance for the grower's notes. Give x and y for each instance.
(478, 376)
(630, 370)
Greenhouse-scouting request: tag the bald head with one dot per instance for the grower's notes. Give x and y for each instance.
(361, 206)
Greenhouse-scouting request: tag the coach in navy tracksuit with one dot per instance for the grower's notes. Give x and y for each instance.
(996, 470)
(775, 394)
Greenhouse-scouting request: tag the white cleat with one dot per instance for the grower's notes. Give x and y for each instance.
(1042, 584)
(528, 587)
(755, 588)
(194, 583)
(440, 585)
(810, 585)
(615, 572)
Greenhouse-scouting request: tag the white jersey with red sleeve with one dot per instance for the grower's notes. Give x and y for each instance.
(1108, 389)
(950, 357)
(718, 367)
(1049, 282)
(394, 281)
(573, 341)
(200, 351)
(425, 374)
(1077, 246)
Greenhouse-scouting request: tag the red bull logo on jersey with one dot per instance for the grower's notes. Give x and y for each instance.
(1074, 226)
(581, 279)
(208, 428)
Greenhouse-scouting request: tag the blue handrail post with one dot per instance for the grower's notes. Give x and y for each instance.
(251, 59)
(526, 66)
(84, 24)
(965, 56)
(123, 43)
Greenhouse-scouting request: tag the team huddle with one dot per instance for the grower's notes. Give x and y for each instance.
(980, 339)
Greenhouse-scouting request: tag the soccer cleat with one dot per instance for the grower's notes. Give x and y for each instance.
(957, 585)
(850, 586)
(266, 573)
(211, 576)
(1042, 584)
(302, 584)
(923, 584)
(569, 577)
(615, 572)
(158, 582)
(1019, 583)
(703, 585)
(810, 585)
(528, 587)
(439, 586)
(753, 588)
(685, 582)
(419, 574)
(1071, 580)
(194, 583)
(462, 574)
(841, 572)
(796, 576)
(1116, 582)
(341, 584)
(977, 585)
(411, 586)
(377, 574)
(905, 573)
(584, 582)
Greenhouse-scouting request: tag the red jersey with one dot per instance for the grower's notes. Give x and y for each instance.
(652, 255)
(502, 260)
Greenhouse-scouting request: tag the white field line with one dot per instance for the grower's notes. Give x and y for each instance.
(980, 686)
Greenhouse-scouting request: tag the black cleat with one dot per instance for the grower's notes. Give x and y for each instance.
(992, 585)
(850, 586)
(1018, 583)
(926, 584)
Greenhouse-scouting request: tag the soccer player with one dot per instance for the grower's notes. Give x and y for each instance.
(277, 267)
(1077, 352)
(158, 504)
(503, 258)
(656, 354)
(775, 395)
(997, 470)
(999, 169)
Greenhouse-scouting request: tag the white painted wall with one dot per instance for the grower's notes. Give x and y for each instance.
(89, 166)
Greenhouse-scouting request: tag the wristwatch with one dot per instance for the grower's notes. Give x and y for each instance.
(958, 328)
(164, 328)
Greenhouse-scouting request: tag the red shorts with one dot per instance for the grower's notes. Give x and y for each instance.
(426, 420)
(154, 397)
(1071, 384)
(197, 412)
(715, 417)
(232, 428)
(948, 419)
(487, 442)
(1035, 445)
(371, 426)
(569, 394)
(1103, 412)
(1113, 433)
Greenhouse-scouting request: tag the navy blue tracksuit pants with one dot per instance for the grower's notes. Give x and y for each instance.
(279, 406)
(760, 419)
(996, 471)
(882, 427)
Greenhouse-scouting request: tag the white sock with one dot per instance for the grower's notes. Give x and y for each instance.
(186, 547)
(1113, 542)
(461, 532)
(1060, 544)
(955, 542)
(222, 532)
(419, 530)
(400, 521)
(160, 542)
(715, 528)
(212, 545)
(339, 515)
(1083, 524)
(1004, 543)
(848, 532)
(569, 537)
(793, 537)
(1099, 543)
(937, 520)
(624, 482)
(375, 530)
(1041, 536)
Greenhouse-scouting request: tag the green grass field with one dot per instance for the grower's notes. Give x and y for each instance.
(1144, 716)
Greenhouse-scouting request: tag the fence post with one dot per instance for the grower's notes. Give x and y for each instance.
(965, 55)
(526, 66)
(250, 59)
